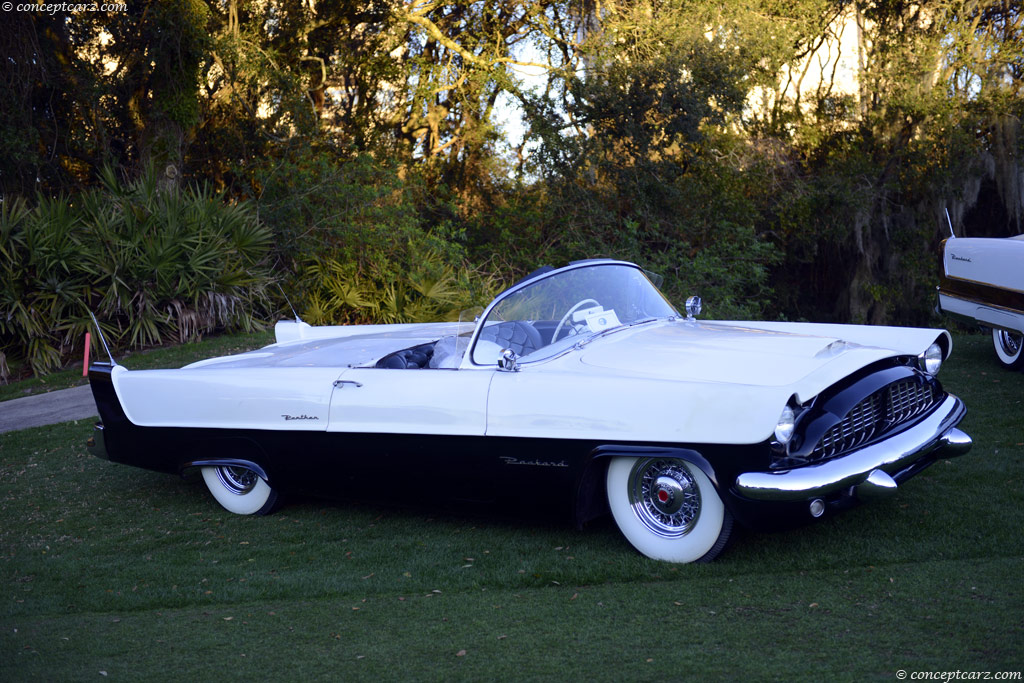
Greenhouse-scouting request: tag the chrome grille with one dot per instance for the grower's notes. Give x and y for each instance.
(874, 416)
(859, 425)
(907, 400)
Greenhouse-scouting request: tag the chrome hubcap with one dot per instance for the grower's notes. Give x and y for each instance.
(664, 496)
(1010, 343)
(237, 480)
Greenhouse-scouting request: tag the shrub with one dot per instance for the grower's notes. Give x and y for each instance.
(153, 265)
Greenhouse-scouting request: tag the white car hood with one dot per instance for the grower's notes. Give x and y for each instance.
(806, 358)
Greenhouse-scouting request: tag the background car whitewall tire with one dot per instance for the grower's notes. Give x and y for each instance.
(1009, 347)
(667, 509)
(240, 490)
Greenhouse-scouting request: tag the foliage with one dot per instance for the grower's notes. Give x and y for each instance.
(432, 290)
(356, 237)
(153, 265)
(786, 158)
(859, 208)
(632, 168)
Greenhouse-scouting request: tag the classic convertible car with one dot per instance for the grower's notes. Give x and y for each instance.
(983, 283)
(579, 386)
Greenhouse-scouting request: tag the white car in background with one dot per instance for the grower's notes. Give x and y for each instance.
(579, 389)
(983, 282)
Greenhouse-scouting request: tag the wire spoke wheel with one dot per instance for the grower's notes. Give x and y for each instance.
(1009, 348)
(668, 509)
(240, 490)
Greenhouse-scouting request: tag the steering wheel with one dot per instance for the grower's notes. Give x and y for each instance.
(568, 315)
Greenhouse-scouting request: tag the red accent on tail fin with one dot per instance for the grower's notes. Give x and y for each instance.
(85, 361)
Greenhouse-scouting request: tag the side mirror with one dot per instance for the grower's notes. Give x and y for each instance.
(508, 361)
(693, 306)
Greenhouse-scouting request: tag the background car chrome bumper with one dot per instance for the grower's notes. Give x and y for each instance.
(870, 470)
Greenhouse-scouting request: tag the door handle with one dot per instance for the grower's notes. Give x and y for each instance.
(339, 383)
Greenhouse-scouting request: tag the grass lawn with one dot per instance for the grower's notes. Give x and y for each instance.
(110, 571)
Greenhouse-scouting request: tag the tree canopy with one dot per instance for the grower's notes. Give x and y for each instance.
(781, 158)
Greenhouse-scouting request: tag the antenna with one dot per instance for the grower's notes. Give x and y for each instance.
(952, 234)
(288, 301)
(103, 340)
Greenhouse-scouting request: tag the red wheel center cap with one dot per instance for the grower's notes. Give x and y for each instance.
(663, 495)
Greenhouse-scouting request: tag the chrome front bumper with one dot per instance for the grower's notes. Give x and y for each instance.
(869, 471)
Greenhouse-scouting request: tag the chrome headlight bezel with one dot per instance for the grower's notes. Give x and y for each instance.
(785, 428)
(930, 360)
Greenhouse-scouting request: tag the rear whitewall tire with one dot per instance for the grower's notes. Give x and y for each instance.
(689, 523)
(240, 490)
(1009, 348)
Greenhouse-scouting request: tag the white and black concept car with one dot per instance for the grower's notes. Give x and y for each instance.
(581, 387)
(983, 283)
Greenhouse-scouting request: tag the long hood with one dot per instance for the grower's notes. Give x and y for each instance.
(687, 381)
(803, 358)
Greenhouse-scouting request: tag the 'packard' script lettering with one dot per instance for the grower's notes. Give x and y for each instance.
(300, 417)
(960, 258)
(534, 463)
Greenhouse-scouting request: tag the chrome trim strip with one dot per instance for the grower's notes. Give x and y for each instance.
(976, 302)
(935, 436)
(983, 284)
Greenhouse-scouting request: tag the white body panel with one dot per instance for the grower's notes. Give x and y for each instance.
(1002, 318)
(290, 330)
(991, 261)
(256, 398)
(668, 380)
(973, 267)
(687, 381)
(384, 401)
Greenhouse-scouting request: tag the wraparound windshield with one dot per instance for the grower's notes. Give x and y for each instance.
(551, 313)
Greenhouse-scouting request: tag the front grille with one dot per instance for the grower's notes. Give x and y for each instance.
(874, 416)
(908, 400)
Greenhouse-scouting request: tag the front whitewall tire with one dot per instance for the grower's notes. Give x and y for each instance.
(667, 509)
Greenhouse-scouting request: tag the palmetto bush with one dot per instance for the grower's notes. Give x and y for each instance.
(153, 265)
(431, 290)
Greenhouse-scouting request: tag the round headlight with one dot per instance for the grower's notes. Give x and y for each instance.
(787, 424)
(931, 360)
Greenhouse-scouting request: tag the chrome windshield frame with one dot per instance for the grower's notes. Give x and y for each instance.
(469, 363)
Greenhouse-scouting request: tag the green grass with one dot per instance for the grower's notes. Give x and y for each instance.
(107, 568)
(161, 357)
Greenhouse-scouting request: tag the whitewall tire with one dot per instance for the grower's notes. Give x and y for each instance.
(1009, 348)
(240, 490)
(667, 509)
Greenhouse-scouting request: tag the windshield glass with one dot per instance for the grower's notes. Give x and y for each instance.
(551, 313)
